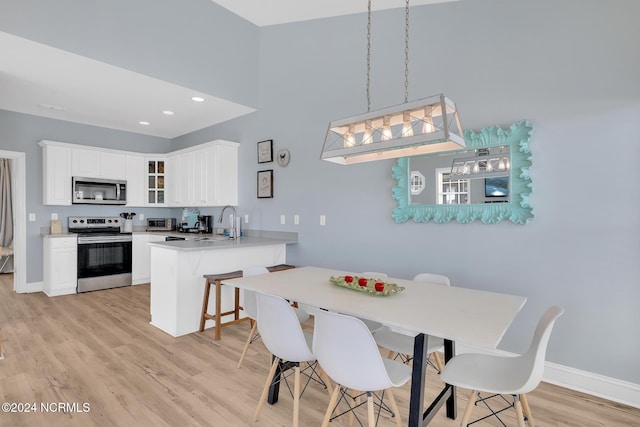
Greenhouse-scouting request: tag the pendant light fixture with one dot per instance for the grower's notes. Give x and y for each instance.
(425, 126)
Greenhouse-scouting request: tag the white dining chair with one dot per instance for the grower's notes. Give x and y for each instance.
(502, 375)
(399, 344)
(283, 336)
(250, 308)
(348, 353)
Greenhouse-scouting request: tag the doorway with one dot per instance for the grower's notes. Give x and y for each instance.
(18, 184)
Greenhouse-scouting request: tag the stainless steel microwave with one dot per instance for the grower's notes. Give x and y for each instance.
(98, 191)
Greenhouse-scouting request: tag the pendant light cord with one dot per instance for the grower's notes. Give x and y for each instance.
(406, 53)
(369, 57)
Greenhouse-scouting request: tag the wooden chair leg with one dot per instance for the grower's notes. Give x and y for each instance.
(296, 395)
(323, 375)
(205, 304)
(246, 344)
(265, 390)
(467, 412)
(527, 410)
(518, 407)
(394, 407)
(438, 360)
(370, 413)
(332, 403)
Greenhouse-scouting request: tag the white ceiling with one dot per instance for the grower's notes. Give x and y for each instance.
(44, 81)
(263, 12)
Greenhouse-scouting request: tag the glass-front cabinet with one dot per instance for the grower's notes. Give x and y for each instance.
(156, 181)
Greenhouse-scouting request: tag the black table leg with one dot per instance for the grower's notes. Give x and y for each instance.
(449, 352)
(416, 401)
(417, 416)
(274, 389)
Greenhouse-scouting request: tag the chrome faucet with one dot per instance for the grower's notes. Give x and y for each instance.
(233, 232)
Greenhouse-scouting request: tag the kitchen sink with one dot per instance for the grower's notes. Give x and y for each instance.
(199, 239)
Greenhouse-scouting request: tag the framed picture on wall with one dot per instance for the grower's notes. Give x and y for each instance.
(265, 184)
(265, 151)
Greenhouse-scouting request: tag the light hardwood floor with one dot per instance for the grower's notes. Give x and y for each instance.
(98, 348)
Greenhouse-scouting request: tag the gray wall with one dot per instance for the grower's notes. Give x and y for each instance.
(568, 66)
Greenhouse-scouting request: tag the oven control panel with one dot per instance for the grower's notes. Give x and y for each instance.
(92, 223)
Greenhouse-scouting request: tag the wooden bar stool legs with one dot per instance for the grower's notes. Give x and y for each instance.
(216, 279)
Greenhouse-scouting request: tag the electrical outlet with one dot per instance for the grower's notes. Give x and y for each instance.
(296, 219)
(54, 216)
(282, 220)
(32, 217)
(323, 220)
(141, 217)
(246, 218)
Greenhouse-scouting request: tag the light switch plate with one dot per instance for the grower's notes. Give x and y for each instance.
(141, 217)
(54, 216)
(323, 220)
(282, 219)
(246, 218)
(296, 219)
(32, 217)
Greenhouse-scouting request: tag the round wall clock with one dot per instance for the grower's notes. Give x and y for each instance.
(283, 157)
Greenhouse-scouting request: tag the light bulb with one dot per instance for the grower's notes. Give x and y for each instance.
(366, 136)
(350, 137)
(407, 129)
(501, 164)
(428, 126)
(476, 167)
(386, 128)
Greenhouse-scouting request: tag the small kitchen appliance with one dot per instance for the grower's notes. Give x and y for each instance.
(189, 221)
(205, 224)
(161, 224)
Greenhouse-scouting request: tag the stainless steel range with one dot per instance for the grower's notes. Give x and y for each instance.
(104, 254)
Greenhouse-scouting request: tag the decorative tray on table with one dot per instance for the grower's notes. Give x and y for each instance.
(369, 285)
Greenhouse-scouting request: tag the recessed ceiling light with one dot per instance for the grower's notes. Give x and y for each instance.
(144, 123)
(168, 112)
(197, 99)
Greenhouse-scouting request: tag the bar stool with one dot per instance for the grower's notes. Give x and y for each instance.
(216, 279)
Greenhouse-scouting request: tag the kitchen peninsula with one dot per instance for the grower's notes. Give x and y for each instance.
(178, 267)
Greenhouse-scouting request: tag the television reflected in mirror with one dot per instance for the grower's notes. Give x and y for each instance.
(496, 186)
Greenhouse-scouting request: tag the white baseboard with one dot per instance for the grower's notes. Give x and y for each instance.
(613, 389)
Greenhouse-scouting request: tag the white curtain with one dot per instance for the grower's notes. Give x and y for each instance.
(6, 211)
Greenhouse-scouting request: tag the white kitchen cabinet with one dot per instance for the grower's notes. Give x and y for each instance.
(56, 183)
(223, 174)
(205, 175)
(135, 176)
(96, 163)
(156, 181)
(141, 261)
(60, 265)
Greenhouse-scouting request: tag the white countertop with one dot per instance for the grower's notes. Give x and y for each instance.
(198, 242)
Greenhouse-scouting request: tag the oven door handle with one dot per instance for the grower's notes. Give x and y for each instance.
(103, 239)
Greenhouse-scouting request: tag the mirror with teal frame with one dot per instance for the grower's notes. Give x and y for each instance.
(496, 198)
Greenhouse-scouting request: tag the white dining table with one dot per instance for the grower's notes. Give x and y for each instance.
(469, 316)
